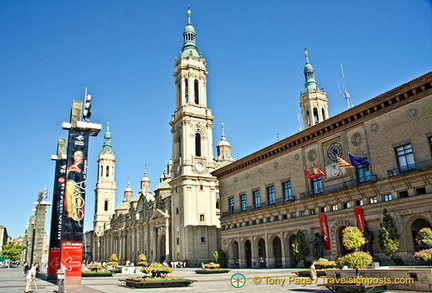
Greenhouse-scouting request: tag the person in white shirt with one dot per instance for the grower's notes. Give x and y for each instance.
(31, 275)
(61, 274)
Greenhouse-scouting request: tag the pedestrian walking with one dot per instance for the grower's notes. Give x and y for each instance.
(31, 275)
(61, 274)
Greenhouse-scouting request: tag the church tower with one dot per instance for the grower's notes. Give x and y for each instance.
(223, 150)
(313, 101)
(194, 220)
(105, 187)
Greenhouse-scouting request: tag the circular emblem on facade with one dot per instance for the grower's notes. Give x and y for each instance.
(247, 175)
(275, 165)
(374, 127)
(296, 156)
(260, 170)
(412, 113)
(312, 155)
(356, 139)
(334, 151)
(238, 280)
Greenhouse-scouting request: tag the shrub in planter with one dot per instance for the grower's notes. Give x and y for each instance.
(95, 267)
(220, 258)
(423, 255)
(324, 263)
(388, 237)
(142, 260)
(156, 270)
(212, 265)
(424, 237)
(352, 238)
(355, 260)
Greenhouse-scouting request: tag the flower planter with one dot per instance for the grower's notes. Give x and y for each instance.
(96, 274)
(212, 271)
(146, 283)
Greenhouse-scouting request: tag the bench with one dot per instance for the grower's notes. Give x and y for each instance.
(350, 288)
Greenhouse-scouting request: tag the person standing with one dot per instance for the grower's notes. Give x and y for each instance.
(31, 275)
(61, 274)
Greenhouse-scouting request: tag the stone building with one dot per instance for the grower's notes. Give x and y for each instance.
(180, 221)
(266, 197)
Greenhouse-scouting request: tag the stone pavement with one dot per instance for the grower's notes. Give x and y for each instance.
(270, 280)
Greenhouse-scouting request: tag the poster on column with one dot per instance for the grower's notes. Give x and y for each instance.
(57, 216)
(324, 230)
(74, 201)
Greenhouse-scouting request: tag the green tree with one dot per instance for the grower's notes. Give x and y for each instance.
(388, 237)
(300, 246)
(12, 251)
(352, 238)
(220, 258)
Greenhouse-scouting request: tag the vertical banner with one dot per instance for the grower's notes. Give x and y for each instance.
(74, 201)
(324, 230)
(360, 218)
(56, 217)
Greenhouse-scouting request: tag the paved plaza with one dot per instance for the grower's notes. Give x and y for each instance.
(271, 280)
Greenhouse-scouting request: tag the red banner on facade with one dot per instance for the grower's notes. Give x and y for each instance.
(71, 256)
(324, 231)
(360, 218)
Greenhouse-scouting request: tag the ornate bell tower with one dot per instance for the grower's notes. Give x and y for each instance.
(193, 206)
(105, 187)
(313, 101)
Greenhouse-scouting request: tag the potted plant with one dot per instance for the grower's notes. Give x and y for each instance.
(156, 276)
(96, 270)
(424, 239)
(142, 260)
(300, 248)
(211, 268)
(352, 239)
(321, 265)
(388, 237)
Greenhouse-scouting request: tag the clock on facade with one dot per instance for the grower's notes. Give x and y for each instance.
(334, 151)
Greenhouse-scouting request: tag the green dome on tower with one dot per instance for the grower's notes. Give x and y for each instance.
(189, 46)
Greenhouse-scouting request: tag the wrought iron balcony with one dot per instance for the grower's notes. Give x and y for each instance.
(410, 168)
(264, 204)
(339, 186)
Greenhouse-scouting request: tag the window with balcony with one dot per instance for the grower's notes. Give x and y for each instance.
(363, 173)
(317, 185)
(323, 209)
(302, 213)
(403, 194)
(287, 191)
(358, 202)
(231, 205)
(257, 198)
(387, 197)
(346, 205)
(334, 207)
(312, 212)
(293, 215)
(271, 195)
(243, 202)
(373, 200)
(420, 190)
(405, 158)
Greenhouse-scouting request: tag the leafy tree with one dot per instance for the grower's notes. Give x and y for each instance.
(388, 237)
(220, 258)
(352, 238)
(12, 251)
(300, 246)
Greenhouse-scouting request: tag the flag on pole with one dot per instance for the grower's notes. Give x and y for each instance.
(344, 164)
(358, 161)
(309, 175)
(318, 172)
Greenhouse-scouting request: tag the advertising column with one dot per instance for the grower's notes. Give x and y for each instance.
(57, 209)
(73, 204)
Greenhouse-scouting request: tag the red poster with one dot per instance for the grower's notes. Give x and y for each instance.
(71, 256)
(54, 260)
(360, 218)
(324, 231)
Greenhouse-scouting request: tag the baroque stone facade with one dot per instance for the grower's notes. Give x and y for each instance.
(266, 197)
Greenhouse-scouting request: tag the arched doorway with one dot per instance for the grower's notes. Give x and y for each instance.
(235, 254)
(248, 254)
(161, 255)
(261, 253)
(277, 252)
(416, 226)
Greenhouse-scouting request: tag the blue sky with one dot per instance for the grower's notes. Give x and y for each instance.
(124, 52)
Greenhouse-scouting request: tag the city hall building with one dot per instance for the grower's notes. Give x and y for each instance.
(266, 197)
